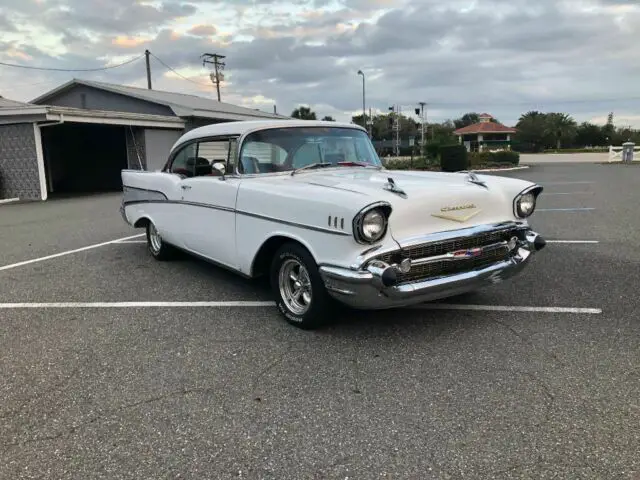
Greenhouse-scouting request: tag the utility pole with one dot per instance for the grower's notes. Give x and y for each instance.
(364, 108)
(146, 54)
(217, 76)
(396, 128)
(422, 118)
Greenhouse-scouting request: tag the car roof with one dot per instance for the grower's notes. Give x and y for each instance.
(242, 127)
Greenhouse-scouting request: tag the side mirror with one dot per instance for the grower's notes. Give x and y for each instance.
(219, 167)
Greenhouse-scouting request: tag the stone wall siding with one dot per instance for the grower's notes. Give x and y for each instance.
(19, 177)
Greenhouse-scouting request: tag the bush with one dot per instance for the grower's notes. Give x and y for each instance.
(453, 158)
(484, 158)
(406, 164)
(432, 150)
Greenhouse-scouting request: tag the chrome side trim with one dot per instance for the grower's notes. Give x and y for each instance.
(134, 194)
(240, 212)
(293, 224)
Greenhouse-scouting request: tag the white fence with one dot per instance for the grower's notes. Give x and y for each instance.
(615, 153)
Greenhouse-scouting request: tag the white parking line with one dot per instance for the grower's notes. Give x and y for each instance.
(130, 241)
(564, 183)
(568, 193)
(573, 241)
(576, 209)
(252, 304)
(137, 304)
(505, 308)
(68, 252)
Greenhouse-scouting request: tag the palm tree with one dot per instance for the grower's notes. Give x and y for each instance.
(561, 126)
(304, 113)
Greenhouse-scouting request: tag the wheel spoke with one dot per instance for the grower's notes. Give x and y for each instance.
(295, 286)
(306, 297)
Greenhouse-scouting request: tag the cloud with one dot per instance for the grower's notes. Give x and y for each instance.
(203, 30)
(500, 56)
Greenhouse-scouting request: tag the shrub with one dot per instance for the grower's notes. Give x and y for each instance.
(506, 156)
(484, 158)
(432, 150)
(406, 164)
(453, 158)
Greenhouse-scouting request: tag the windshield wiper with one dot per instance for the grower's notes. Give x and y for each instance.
(310, 166)
(358, 164)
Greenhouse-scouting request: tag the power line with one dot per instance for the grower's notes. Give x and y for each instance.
(71, 69)
(179, 74)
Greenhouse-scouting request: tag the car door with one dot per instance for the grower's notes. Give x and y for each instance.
(209, 201)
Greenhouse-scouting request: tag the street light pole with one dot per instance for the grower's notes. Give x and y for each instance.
(364, 108)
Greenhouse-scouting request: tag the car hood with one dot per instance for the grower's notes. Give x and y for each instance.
(429, 201)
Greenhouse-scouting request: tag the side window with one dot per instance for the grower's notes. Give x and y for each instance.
(210, 152)
(180, 164)
(261, 157)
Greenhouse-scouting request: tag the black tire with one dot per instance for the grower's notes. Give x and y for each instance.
(160, 250)
(319, 307)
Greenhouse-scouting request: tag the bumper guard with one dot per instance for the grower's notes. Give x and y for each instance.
(376, 287)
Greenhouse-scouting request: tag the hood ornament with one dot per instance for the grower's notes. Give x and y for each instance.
(473, 178)
(393, 188)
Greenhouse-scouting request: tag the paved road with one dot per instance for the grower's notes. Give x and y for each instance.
(237, 393)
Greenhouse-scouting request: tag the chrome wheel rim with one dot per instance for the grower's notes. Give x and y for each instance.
(155, 241)
(295, 286)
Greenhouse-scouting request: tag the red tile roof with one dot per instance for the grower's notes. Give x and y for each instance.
(484, 127)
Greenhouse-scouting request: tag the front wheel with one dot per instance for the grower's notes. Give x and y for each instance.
(299, 291)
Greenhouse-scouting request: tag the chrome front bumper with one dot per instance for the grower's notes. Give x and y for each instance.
(376, 287)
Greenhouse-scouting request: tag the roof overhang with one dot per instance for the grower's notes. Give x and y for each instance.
(106, 117)
(31, 114)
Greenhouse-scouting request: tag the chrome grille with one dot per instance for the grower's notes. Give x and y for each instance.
(448, 267)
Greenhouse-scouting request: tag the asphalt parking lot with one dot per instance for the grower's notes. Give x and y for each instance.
(535, 378)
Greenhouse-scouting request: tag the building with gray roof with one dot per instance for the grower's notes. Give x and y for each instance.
(79, 136)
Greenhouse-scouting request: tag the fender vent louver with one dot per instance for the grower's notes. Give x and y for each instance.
(336, 222)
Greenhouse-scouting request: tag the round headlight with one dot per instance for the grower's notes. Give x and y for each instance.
(373, 225)
(526, 204)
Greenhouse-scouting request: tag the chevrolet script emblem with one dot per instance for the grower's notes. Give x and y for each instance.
(449, 212)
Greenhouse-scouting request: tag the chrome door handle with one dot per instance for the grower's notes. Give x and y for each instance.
(185, 187)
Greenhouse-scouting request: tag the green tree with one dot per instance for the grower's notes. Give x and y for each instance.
(382, 127)
(589, 134)
(561, 127)
(466, 120)
(532, 131)
(304, 113)
(328, 118)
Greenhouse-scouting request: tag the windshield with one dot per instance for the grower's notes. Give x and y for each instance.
(290, 148)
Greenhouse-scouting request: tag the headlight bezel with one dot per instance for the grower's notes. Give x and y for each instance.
(384, 209)
(533, 190)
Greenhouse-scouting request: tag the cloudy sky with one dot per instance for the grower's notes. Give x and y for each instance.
(500, 56)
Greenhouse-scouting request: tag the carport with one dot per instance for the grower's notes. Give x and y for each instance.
(63, 150)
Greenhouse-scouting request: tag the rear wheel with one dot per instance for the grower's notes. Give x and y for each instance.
(298, 288)
(158, 248)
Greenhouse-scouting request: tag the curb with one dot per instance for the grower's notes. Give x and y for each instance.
(500, 169)
(9, 200)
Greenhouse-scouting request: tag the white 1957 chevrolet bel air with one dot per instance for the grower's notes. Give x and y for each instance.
(309, 204)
